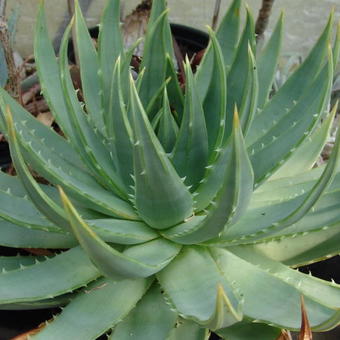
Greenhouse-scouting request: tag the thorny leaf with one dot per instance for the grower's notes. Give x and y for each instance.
(285, 335)
(305, 331)
(26, 335)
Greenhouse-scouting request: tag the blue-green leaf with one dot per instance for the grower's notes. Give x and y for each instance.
(54, 276)
(48, 72)
(237, 78)
(285, 99)
(89, 66)
(98, 308)
(280, 141)
(41, 200)
(272, 298)
(154, 60)
(135, 262)
(248, 330)
(161, 198)
(119, 128)
(12, 235)
(306, 155)
(188, 330)
(267, 63)
(230, 202)
(151, 319)
(89, 143)
(227, 36)
(190, 155)
(215, 102)
(205, 296)
(174, 90)
(110, 47)
(167, 126)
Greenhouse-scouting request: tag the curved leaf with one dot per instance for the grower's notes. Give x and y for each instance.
(215, 101)
(271, 299)
(267, 63)
(188, 330)
(249, 331)
(122, 231)
(135, 262)
(205, 296)
(119, 128)
(26, 121)
(90, 79)
(304, 203)
(52, 277)
(8, 263)
(167, 126)
(323, 292)
(151, 319)
(15, 236)
(190, 154)
(161, 198)
(40, 154)
(41, 200)
(54, 302)
(90, 145)
(237, 79)
(280, 141)
(174, 89)
(230, 202)
(285, 99)
(110, 47)
(154, 59)
(308, 152)
(302, 248)
(48, 72)
(227, 36)
(99, 307)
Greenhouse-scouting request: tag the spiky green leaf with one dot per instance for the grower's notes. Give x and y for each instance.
(206, 296)
(190, 155)
(60, 274)
(150, 320)
(161, 198)
(230, 202)
(97, 309)
(134, 262)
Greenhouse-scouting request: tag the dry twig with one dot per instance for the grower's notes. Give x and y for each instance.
(263, 18)
(13, 82)
(216, 14)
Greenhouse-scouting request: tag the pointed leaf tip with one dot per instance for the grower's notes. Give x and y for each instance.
(305, 331)
(236, 121)
(9, 120)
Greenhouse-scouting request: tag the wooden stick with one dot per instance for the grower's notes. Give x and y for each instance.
(70, 6)
(12, 86)
(216, 14)
(263, 18)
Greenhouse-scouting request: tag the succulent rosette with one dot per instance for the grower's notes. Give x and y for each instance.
(173, 210)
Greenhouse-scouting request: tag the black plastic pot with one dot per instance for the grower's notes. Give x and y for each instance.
(189, 39)
(5, 158)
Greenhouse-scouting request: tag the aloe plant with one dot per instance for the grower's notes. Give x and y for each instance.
(173, 212)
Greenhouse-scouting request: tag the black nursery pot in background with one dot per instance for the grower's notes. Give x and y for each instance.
(190, 40)
(5, 158)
